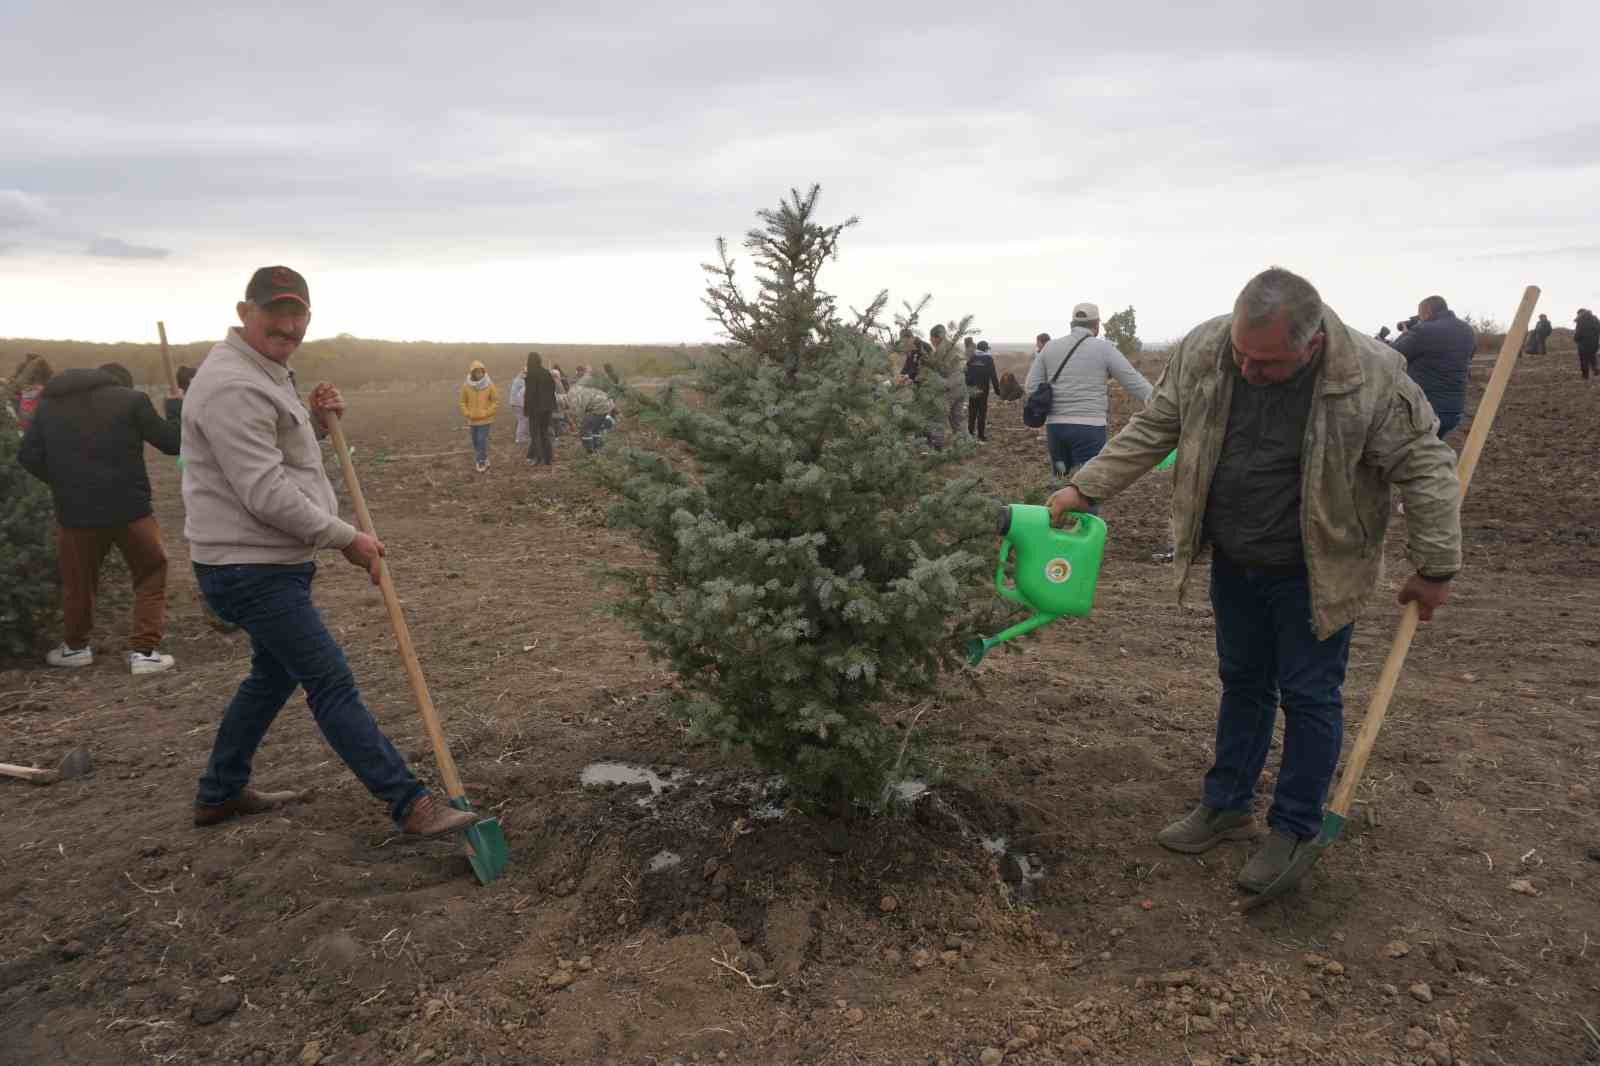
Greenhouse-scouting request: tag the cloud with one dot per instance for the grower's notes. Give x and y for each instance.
(993, 153)
(20, 210)
(115, 248)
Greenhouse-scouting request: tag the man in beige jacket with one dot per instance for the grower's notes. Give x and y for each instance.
(1291, 430)
(259, 507)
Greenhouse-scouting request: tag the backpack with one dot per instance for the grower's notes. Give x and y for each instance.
(1043, 397)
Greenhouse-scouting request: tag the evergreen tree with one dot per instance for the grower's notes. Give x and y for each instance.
(27, 551)
(1122, 329)
(812, 560)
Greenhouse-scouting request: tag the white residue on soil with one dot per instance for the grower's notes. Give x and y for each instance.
(598, 774)
(994, 845)
(910, 789)
(663, 860)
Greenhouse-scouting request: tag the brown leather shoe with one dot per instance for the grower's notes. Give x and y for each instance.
(431, 817)
(248, 801)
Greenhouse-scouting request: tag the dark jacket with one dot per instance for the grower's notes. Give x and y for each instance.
(87, 444)
(980, 373)
(1438, 353)
(539, 392)
(1543, 328)
(1586, 332)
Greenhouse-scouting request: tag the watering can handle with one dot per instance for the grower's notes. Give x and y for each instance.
(1000, 586)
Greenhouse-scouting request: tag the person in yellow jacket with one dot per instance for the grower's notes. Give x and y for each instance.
(480, 402)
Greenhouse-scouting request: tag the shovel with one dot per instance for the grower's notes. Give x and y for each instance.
(1338, 813)
(75, 764)
(486, 844)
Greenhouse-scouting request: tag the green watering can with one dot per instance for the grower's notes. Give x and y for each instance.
(1056, 571)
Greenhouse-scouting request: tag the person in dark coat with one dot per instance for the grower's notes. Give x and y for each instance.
(1438, 349)
(1586, 332)
(1541, 335)
(87, 443)
(980, 379)
(539, 403)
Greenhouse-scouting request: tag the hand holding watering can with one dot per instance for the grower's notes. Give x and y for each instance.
(1056, 569)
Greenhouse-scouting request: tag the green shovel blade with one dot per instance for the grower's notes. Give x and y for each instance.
(1166, 464)
(1304, 859)
(486, 845)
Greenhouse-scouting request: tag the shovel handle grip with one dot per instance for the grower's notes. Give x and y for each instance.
(397, 620)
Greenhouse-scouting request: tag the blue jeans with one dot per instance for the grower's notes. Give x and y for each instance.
(1448, 420)
(1072, 446)
(480, 443)
(290, 647)
(1267, 652)
(594, 430)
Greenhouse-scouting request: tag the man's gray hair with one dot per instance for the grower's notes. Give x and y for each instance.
(1278, 293)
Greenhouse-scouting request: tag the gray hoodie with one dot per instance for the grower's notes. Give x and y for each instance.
(1080, 391)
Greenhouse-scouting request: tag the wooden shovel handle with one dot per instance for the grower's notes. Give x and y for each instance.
(397, 619)
(1482, 419)
(166, 356)
(27, 773)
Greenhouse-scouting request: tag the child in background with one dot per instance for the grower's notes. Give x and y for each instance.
(519, 385)
(480, 402)
(33, 374)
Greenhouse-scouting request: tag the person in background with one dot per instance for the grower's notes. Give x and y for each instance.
(559, 419)
(519, 386)
(1586, 332)
(1075, 429)
(915, 350)
(592, 410)
(980, 379)
(1438, 350)
(480, 402)
(539, 403)
(87, 443)
(1541, 335)
(1039, 342)
(33, 374)
(1292, 431)
(258, 506)
(585, 374)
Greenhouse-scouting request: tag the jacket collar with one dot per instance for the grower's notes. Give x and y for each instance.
(276, 371)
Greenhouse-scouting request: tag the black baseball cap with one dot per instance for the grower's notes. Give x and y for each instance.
(277, 283)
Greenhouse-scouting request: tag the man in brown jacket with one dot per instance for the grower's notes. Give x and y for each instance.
(1291, 431)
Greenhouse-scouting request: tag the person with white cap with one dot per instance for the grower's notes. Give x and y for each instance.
(1078, 365)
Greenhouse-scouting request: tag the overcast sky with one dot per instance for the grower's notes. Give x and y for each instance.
(558, 170)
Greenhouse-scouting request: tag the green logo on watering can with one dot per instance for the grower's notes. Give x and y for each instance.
(1059, 571)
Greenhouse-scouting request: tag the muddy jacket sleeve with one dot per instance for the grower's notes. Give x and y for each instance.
(1404, 446)
(461, 401)
(1147, 438)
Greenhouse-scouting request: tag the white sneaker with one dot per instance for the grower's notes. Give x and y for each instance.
(65, 656)
(154, 663)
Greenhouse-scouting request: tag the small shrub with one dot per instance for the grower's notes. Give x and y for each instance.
(811, 561)
(27, 549)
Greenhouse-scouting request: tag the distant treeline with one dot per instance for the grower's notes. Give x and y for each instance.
(352, 362)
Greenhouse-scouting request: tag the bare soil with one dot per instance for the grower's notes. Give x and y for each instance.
(321, 936)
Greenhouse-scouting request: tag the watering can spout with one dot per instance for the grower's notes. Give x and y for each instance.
(1056, 570)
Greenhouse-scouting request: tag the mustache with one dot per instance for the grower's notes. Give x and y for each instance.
(284, 334)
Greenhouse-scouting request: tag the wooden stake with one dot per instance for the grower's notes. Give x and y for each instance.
(1482, 419)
